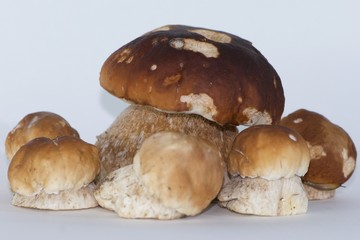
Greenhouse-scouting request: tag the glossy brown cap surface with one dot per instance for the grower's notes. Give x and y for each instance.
(215, 74)
(333, 153)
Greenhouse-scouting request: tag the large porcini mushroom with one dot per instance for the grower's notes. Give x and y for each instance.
(333, 153)
(54, 174)
(265, 166)
(34, 125)
(193, 80)
(173, 175)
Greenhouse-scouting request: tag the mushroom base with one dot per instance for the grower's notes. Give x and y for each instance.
(258, 196)
(64, 200)
(123, 193)
(317, 194)
(119, 143)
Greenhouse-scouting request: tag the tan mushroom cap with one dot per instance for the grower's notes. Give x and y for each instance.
(34, 125)
(215, 74)
(51, 166)
(333, 153)
(185, 173)
(270, 152)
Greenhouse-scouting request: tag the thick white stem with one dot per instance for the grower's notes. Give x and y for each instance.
(258, 196)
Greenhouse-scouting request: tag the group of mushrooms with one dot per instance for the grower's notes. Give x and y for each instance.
(178, 147)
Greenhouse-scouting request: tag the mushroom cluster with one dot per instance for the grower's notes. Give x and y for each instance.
(185, 80)
(177, 147)
(50, 166)
(192, 80)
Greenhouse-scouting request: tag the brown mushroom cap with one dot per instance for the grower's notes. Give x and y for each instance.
(50, 166)
(34, 125)
(185, 173)
(333, 153)
(215, 74)
(270, 152)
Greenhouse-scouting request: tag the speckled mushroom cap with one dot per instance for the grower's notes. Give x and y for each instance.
(333, 153)
(215, 74)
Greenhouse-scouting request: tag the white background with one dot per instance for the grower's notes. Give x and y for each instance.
(51, 53)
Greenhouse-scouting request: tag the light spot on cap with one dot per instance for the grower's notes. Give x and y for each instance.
(292, 137)
(275, 82)
(55, 142)
(298, 120)
(123, 55)
(129, 60)
(213, 35)
(177, 43)
(316, 151)
(153, 67)
(172, 79)
(240, 100)
(201, 104)
(19, 125)
(33, 121)
(348, 164)
(207, 49)
(163, 28)
(155, 41)
(63, 123)
(256, 117)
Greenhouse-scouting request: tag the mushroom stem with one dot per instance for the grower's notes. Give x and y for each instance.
(123, 193)
(63, 200)
(259, 196)
(318, 194)
(119, 143)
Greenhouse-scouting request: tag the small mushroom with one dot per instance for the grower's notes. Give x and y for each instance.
(265, 165)
(192, 80)
(55, 174)
(333, 153)
(34, 125)
(173, 175)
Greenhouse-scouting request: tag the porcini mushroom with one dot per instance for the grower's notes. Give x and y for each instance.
(265, 166)
(120, 142)
(333, 153)
(197, 81)
(34, 125)
(54, 174)
(173, 175)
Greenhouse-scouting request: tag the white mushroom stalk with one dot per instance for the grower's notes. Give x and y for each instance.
(258, 196)
(123, 193)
